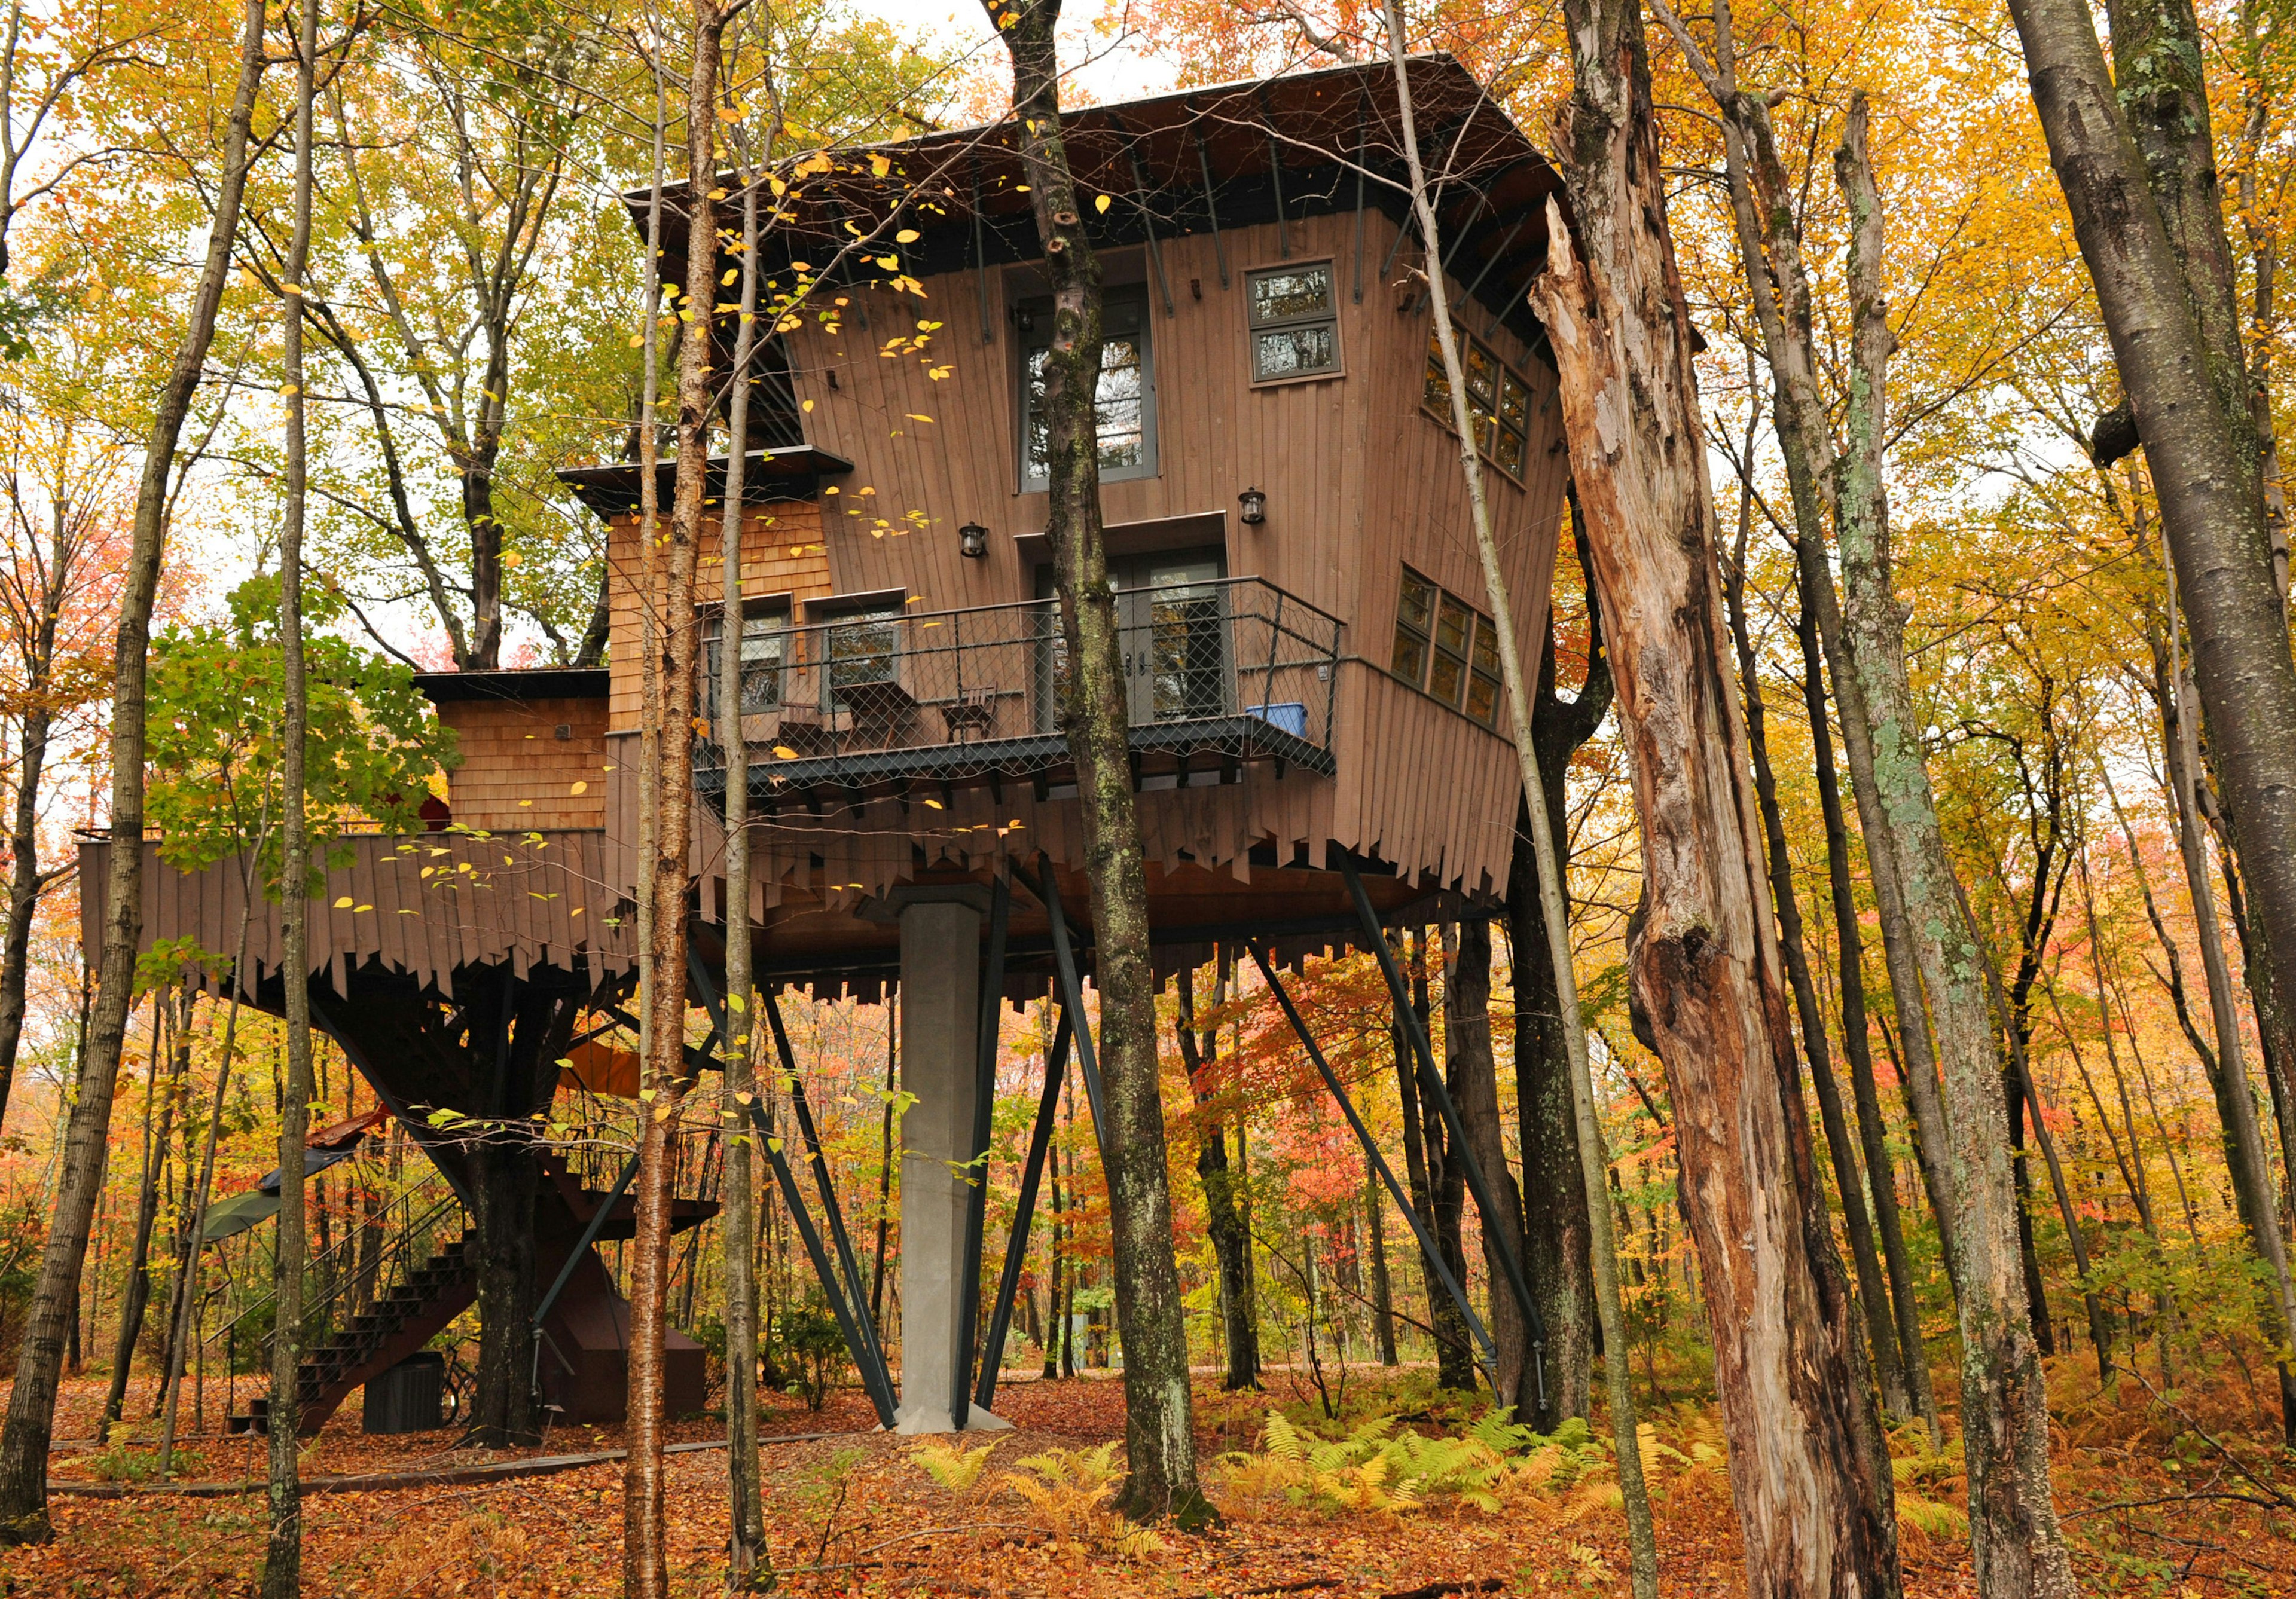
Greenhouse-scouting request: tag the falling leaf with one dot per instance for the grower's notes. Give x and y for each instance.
(580, 788)
(783, 752)
(908, 236)
(1101, 205)
(343, 903)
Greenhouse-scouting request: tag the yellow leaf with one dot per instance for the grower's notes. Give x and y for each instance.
(343, 903)
(808, 405)
(914, 417)
(890, 263)
(908, 236)
(783, 752)
(880, 164)
(580, 787)
(730, 274)
(1101, 204)
(364, 908)
(717, 193)
(513, 558)
(935, 805)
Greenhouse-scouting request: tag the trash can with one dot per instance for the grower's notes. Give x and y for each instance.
(409, 1397)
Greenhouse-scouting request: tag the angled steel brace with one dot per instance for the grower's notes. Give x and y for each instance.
(1211, 203)
(859, 1330)
(1431, 1081)
(1427, 1246)
(1048, 894)
(1016, 1249)
(867, 1359)
(984, 1105)
(597, 1225)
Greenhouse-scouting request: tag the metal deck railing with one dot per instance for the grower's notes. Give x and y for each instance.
(1216, 673)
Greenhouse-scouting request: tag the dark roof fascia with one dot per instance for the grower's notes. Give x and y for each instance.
(791, 473)
(528, 683)
(1307, 113)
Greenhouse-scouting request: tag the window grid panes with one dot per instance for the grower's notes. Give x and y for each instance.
(863, 647)
(1415, 616)
(1498, 403)
(1124, 402)
(1295, 330)
(1445, 648)
(763, 652)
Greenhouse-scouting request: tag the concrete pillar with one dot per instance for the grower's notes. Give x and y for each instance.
(940, 991)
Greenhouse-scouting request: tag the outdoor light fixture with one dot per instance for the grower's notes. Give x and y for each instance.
(973, 539)
(1255, 507)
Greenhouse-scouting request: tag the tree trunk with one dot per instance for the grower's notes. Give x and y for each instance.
(746, 1549)
(2018, 1546)
(1897, 1397)
(24, 881)
(282, 1557)
(1809, 1468)
(32, 1401)
(1425, 1165)
(1850, 956)
(135, 1291)
(1382, 1290)
(1556, 1236)
(1475, 1090)
(667, 771)
(1222, 1218)
(1160, 1438)
(2246, 1161)
(2147, 212)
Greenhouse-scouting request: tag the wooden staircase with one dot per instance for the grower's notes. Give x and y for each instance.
(401, 1322)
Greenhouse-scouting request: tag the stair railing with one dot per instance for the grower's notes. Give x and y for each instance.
(411, 1224)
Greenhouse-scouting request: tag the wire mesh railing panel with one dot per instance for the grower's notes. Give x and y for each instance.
(1234, 666)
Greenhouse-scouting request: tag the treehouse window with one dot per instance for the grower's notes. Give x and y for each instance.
(1498, 403)
(863, 648)
(763, 652)
(1446, 649)
(1123, 404)
(1295, 326)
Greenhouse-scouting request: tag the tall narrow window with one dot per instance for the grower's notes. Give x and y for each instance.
(763, 652)
(1295, 325)
(1454, 625)
(1483, 675)
(1414, 619)
(1498, 403)
(1124, 403)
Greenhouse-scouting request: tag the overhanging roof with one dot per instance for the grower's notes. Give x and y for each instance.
(1305, 144)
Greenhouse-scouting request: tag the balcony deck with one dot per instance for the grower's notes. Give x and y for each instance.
(1236, 671)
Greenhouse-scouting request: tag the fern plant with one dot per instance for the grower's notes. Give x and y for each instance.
(1068, 1489)
(957, 1470)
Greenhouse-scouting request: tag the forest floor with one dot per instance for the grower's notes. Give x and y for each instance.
(2177, 1496)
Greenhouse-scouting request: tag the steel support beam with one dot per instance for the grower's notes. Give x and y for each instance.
(1427, 1245)
(1431, 1081)
(984, 1104)
(1016, 1249)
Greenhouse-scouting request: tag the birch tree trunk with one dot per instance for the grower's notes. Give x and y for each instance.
(32, 1401)
(746, 1542)
(1809, 1469)
(670, 772)
(1160, 1438)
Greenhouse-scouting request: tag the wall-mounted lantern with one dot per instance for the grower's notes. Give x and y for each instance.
(972, 540)
(1255, 507)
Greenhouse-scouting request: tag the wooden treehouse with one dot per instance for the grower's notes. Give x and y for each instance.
(1312, 673)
